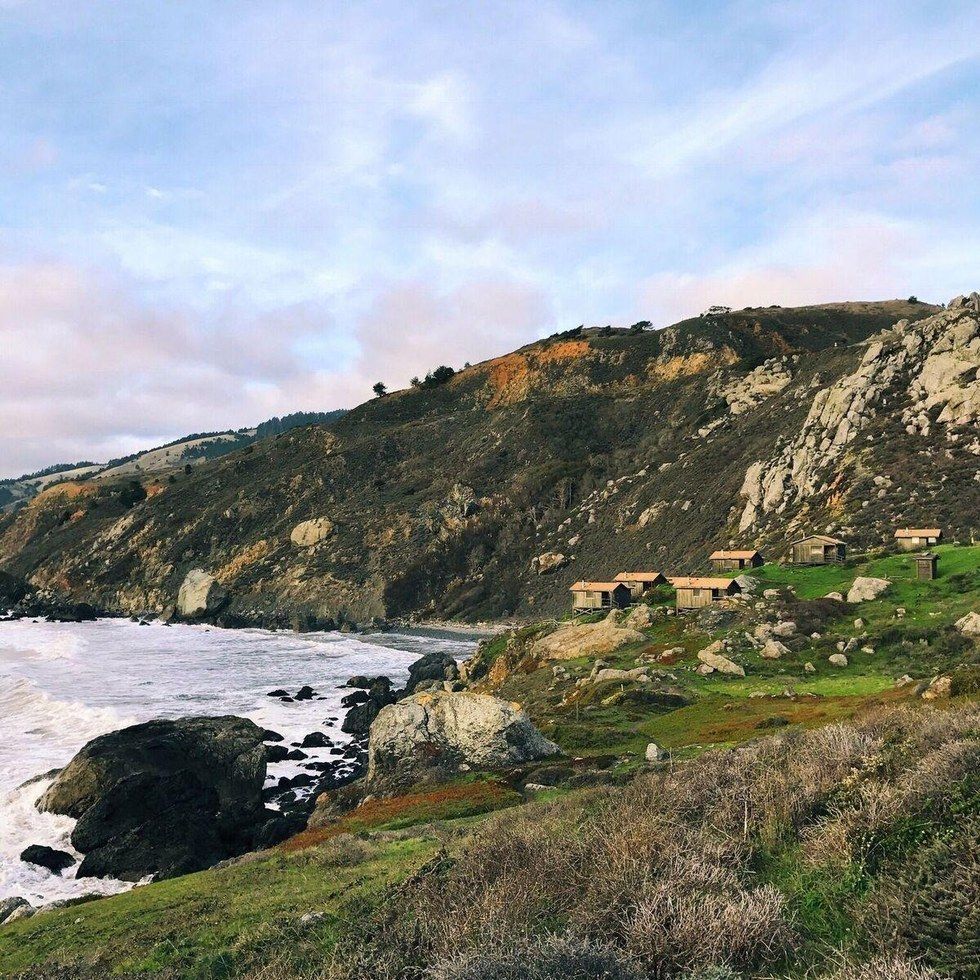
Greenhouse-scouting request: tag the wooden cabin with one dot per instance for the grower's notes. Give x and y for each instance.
(592, 596)
(913, 538)
(695, 593)
(640, 582)
(926, 566)
(734, 561)
(818, 549)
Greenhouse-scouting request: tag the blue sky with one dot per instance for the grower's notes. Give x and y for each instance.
(213, 212)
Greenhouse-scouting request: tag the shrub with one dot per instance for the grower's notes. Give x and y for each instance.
(549, 958)
(884, 968)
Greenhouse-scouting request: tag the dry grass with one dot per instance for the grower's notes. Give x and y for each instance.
(662, 877)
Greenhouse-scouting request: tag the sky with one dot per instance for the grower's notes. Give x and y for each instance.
(219, 211)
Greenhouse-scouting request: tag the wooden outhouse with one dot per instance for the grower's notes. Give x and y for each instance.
(818, 549)
(640, 582)
(913, 538)
(734, 561)
(926, 566)
(591, 596)
(695, 593)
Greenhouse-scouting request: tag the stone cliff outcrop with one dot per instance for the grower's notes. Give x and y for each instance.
(924, 372)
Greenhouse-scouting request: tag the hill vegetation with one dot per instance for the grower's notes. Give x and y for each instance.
(600, 450)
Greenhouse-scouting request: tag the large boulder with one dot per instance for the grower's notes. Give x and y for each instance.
(47, 857)
(199, 595)
(306, 534)
(14, 908)
(865, 589)
(435, 735)
(710, 657)
(586, 639)
(163, 798)
(969, 624)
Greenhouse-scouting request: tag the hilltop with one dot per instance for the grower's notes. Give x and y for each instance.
(486, 496)
(159, 461)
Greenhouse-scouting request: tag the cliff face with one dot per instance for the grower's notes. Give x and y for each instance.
(574, 457)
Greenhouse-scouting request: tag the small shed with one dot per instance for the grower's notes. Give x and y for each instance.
(913, 538)
(590, 596)
(926, 566)
(734, 561)
(695, 593)
(818, 549)
(640, 582)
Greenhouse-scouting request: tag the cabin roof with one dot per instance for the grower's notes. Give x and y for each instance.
(695, 582)
(824, 538)
(918, 532)
(595, 586)
(733, 554)
(639, 576)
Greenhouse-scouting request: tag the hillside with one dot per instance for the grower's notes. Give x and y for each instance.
(574, 457)
(160, 461)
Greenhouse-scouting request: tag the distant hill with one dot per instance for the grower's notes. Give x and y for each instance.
(575, 457)
(189, 450)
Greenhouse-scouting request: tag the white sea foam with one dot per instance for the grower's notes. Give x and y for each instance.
(62, 684)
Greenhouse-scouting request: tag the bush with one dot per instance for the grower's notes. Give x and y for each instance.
(884, 968)
(548, 958)
(436, 377)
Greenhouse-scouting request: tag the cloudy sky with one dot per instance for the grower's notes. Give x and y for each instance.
(218, 211)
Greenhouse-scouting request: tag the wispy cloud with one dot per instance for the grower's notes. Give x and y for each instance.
(209, 214)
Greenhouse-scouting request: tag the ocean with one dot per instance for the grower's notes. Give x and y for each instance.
(62, 684)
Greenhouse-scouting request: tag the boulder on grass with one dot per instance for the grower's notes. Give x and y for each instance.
(722, 664)
(865, 589)
(14, 908)
(436, 735)
(163, 798)
(969, 624)
(587, 639)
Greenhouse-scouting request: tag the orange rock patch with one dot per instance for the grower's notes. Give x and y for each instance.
(246, 557)
(684, 365)
(512, 377)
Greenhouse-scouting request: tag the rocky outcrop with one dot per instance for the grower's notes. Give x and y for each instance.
(586, 639)
(362, 712)
(549, 562)
(865, 589)
(433, 669)
(434, 736)
(309, 533)
(199, 595)
(768, 379)
(163, 798)
(930, 364)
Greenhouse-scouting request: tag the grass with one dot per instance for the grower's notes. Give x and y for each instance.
(216, 922)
